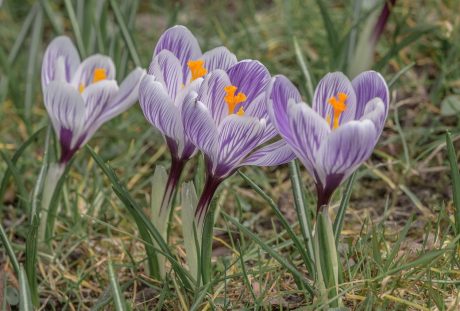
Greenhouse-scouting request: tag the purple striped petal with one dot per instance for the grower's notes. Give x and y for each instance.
(330, 86)
(127, 95)
(60, 61)
(167, 70)
(309, 131)
(96, 97)
(193, 86)
(345, 149)
(85, 73)
(368, 85)
(199, 125)
(219, 58)
(212, 94)
(238, 136)
(66, 110)
(159, 109)
(280, 92)
(375, 111)
(273, 154)
(250, 77)
(182, 44)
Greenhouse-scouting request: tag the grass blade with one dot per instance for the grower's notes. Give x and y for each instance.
(455, 175)
(118, 299)
(206, 244)
(125, 33)
(31, 259)
(338, 222)
(140, 217)
(302, 211)
(19, 181)
(9, 250)
(25, 302)
(332, 35)
(75, 27)
(270, 251)
(307, 260)
(303, 66)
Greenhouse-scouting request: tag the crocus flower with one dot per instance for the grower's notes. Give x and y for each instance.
(227, 119)
(80, 97)
(339, 132)
(177, 68)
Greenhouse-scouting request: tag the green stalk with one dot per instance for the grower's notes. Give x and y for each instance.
(455, 180)
(326, 259)
(54, 174)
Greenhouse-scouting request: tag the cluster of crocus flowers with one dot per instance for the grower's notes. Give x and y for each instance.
(178, 67)
(80, 96)
(339, 132)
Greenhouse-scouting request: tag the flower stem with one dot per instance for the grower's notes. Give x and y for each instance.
(55, 172)
(209, 189)
(175, 172)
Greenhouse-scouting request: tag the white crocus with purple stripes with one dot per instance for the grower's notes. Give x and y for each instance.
(80, 97)
(177, 68)
(339, 132)
(227, 119)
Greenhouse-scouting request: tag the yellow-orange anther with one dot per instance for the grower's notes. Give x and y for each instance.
(197, 68)
(81, 88)
(232, 100)
(240, 112)
(99, 75)
(338, 107)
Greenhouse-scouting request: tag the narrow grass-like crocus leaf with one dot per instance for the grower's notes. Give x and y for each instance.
(140, 217)
(57, 27)
(302, 212)
(300, 247)
(338, 222)
(125, 33)
(327, 254)
(75, 27)
(9, 250)
(303, 66)
(118, 299)
(455, 175)
(189, 201)
(31, 259)
(399, 74)
(20, 38)
(25, 302)
(296, 274)
(206, 244)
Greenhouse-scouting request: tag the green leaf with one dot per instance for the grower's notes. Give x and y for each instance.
(338, 222)
(450, 106)
(303, 66)
(271, 252)
(189, 202)
(118, 298)
(9, 249)
(206, 244)
(25, 303)
(455, 175)
(125, 33)
(75, 27)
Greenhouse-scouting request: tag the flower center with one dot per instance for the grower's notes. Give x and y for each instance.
(338, 107)
(99, 74)
(232, 100)
(196, 68)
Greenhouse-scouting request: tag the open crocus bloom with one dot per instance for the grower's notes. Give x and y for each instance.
(177, 68)
(339, 132)
(227, 119)
(80, 97)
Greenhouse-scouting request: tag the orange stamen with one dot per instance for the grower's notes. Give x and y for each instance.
(196, 68)
(99, 75)
(232, 100)
(338, 107)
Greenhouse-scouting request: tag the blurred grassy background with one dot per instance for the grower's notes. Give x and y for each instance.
(407, 174)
